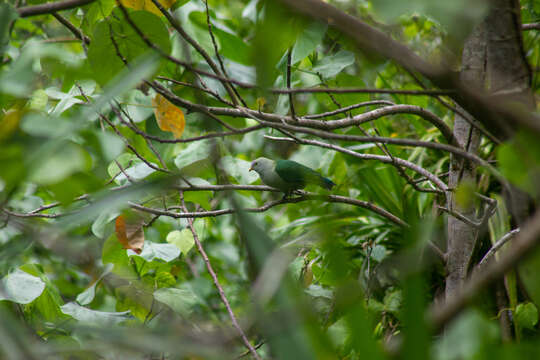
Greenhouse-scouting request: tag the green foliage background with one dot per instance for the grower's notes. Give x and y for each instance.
(306, 280)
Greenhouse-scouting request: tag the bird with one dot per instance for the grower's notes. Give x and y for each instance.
(288, 175)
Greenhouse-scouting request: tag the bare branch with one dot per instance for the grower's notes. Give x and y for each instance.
(51, 7)
(385, 140)
(503, 240)
(327, 125)
(530, 26)
(304, 197)
(349, 108)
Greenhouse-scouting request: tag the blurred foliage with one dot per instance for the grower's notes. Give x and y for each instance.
(307, 280)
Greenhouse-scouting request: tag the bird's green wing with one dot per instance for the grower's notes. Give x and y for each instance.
(299, 175)
(293, 172)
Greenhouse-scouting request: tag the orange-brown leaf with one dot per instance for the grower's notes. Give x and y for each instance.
(130, 233)
(147, 5)
(169, 117)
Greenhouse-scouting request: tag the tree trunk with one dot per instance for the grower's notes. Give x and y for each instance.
(461, 236)
(509, 76)
(493, 54)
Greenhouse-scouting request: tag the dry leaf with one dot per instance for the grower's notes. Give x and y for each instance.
(147, 5)
(169, 117)
(129, 232)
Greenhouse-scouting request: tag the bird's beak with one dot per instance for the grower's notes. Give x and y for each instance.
(251, 168)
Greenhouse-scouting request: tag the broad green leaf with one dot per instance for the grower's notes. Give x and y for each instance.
(182, 301)
(21, 287)
(94, 317)
(181, 239)
(87, 296)
(101, 223)
(195, 152)
(330, 66)
(526, 315)
(307, 42)
(111, 145)
(466, 337)
(233, 47)
(166, 252)
(102, 52)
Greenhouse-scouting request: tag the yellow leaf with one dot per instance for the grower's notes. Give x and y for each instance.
(147, 5)
(169, 117)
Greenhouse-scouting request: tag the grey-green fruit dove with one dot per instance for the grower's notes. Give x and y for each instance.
(288, 175)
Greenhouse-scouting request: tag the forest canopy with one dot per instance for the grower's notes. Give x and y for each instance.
(393, 213)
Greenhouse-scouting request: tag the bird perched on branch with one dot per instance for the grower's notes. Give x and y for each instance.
(288, 175)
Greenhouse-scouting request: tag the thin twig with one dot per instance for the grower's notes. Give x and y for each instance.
(498, 244)
(216, 282)
(349, 108)
(72, 28)
(291, 97)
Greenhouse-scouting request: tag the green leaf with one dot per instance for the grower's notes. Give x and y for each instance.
(181, 239)
(166, 252)
(102, 52)
(194, 153)
(239, 169)
(21, 287)
(94, 317)
(526, 315)
(87, 296)
(467, 336)
(111, 145)
(182, 301)
(102, 226)
(393, 301)
(307, 42)
(332, 65)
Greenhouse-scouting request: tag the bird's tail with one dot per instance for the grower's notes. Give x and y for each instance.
(327, 183)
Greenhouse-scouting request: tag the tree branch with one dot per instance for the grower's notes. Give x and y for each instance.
(51, 7)
(326, 125)
(303, 197)
(382, 158)
(530, 26)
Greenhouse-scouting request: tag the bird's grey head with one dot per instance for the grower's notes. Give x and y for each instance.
(260, 164)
